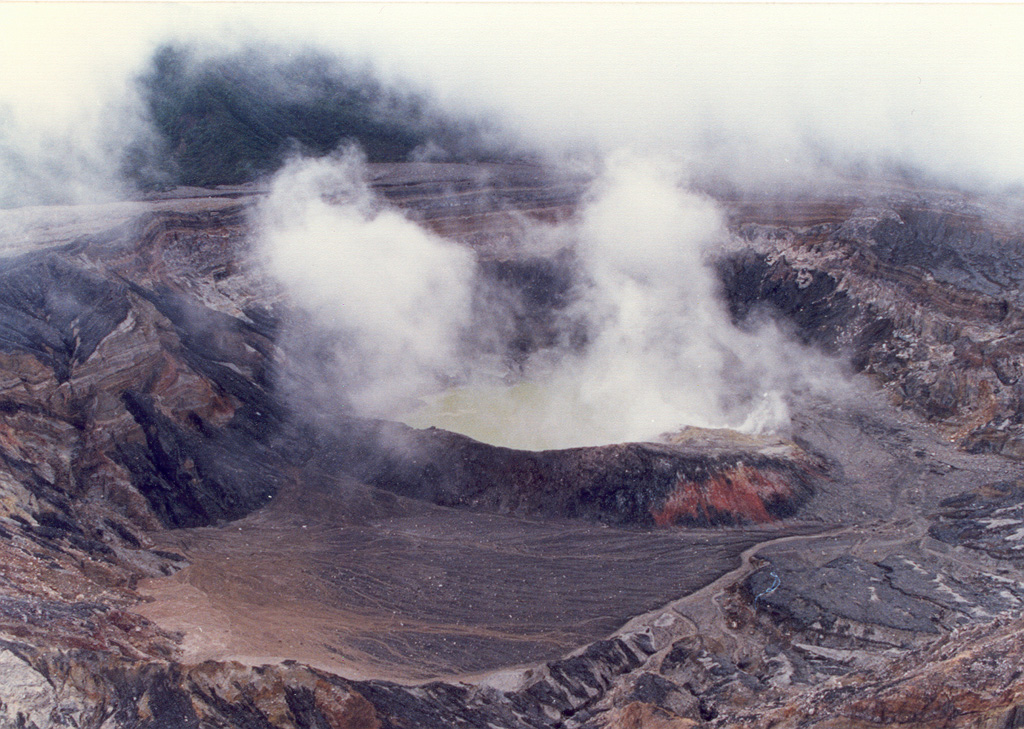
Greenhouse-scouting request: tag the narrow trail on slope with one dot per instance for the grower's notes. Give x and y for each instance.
(694, 606)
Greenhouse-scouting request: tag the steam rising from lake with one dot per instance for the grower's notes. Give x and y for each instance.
(396, 294)
(764, 98)
(661, 352)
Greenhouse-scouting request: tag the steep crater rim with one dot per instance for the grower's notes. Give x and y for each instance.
(696, 477)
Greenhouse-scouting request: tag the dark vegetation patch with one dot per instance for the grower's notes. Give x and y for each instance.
(232, 118)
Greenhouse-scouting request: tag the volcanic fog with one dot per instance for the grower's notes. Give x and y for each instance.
(639, 344)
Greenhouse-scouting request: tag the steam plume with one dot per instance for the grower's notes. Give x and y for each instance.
(396, 294)
(763, 97)
(661, 354)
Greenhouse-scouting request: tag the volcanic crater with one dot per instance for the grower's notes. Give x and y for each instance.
(183, 545)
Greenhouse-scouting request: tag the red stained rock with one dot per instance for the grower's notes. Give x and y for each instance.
(741, 494)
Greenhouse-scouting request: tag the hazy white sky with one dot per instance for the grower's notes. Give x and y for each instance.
(934, 85)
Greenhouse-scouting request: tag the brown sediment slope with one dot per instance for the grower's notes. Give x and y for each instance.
(411, 592)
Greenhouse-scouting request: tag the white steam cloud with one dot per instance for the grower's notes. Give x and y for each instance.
(661, 351)
(759, 93)
(65, 111)
(663, 341)
(396, 294)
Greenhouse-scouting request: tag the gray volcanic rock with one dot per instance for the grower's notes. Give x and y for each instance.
(843, 599)
(94, 689)
(196, 477)
(56, 311)
(990, 520)
(843, 590)
(918, 293)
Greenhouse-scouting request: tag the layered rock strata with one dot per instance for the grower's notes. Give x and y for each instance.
(921, 291)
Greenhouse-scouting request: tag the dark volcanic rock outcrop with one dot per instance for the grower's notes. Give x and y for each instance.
(94, 689)
(850, 600)
(990, 520)
(55, 311)
(967, 679)
(196, 477)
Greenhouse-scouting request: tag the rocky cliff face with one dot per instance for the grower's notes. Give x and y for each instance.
(921, 292)
(146, 440)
